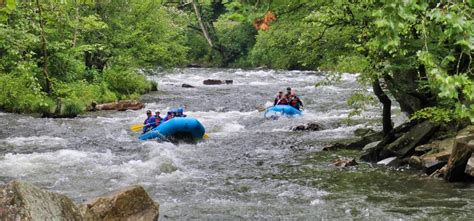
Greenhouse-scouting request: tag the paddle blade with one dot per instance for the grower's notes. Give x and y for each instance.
(136, 127)
(205, 137)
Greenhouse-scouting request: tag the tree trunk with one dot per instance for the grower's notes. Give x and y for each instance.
(44, 49)
(387, 104)
(201, 24)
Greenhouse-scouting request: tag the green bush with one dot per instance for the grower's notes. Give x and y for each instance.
(126, 82)
(22, 94)
(71, 107)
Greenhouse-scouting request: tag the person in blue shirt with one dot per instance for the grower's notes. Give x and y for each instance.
(149, 123)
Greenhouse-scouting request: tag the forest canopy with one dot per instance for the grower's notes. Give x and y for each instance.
(72, 53)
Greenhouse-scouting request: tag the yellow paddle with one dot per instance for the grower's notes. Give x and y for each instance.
(136, 127)
(205, 137)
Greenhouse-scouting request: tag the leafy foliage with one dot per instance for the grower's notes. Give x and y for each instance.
(93, 52)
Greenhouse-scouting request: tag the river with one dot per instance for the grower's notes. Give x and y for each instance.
(250, 168)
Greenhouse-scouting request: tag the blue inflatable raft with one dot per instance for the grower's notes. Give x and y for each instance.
(282, 110)
(176, 126)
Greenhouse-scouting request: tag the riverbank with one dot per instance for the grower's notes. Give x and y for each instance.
(430, 147)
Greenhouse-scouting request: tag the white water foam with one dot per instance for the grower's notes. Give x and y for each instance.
(36, 141)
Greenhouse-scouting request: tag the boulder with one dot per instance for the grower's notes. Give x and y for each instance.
(406, 144)
(439, 173)
(130, 203)
(438, 156)
(120, 106)
(212, 82)
(216, 82)
(22, 201)
(307, 127)
(386, 161)
(462, 152)
(470, 166)
(373, 154)
(370, 145)
(344, 162)
(430, 165)
(360, 132)
(358, 144)
(415, 162)
(187, 86)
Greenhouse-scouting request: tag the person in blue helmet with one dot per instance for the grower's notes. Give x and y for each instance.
(180, 112)
(149, 123)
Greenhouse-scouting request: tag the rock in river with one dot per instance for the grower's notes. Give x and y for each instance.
(22, 201)
(131, 203)
(216, 82)
(462, 152)
(344, 162)
(307, 127)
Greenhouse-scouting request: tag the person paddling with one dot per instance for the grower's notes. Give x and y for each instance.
(283, 100)
(278, 98)
(295, 101)
(158, 118)
(169, 116)
(149, 122)
(288, 92)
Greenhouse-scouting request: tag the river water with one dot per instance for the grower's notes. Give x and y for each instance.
(250, 168)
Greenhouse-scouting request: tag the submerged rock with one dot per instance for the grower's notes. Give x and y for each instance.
(438, 156)
(358, 144)
(307, 127)
(360, 132)
(344, 162)
(406, 143)
(401, 142)
(22, 201)
(131, 203)
(462, 152)
(217, 82)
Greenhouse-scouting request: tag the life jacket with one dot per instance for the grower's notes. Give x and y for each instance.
(158, 120)
(277, 98)
(295, 102)
(282, 101)
(150, 120)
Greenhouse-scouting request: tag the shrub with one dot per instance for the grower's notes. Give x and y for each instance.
(126, 82)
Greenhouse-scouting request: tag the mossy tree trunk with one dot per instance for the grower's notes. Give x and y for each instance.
(387, 105)
(44, 50)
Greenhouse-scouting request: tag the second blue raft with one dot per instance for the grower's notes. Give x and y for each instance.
(177, 125)
(282, 110)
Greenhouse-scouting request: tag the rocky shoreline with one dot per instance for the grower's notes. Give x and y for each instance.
(436, 150)
(23, 201)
